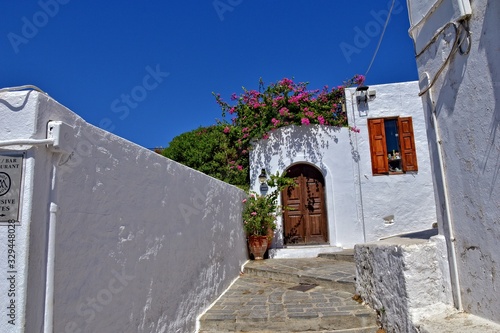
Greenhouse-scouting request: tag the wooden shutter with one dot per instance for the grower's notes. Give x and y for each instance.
(378, 147)
(407, 144)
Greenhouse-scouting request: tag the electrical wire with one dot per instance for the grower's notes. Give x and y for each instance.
(465, 26)
(454, 49)
(381, 37)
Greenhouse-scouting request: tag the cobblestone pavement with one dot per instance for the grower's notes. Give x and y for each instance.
(291, 295)
(337, 274)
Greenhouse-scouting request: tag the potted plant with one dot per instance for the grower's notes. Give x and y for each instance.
(259, 215)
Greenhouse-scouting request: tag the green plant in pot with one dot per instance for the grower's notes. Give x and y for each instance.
(260, 212)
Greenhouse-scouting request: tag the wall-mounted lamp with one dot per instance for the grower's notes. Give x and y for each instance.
(262, 176)
(362, 94)
(263, 181)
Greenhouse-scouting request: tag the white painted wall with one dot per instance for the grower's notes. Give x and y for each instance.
(409, 197)
(402, 280)
(466, 100)
(356, 200)
(19, 122)
(143, 244)
(328, 149)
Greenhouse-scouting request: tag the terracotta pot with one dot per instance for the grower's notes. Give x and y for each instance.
(258, 246)
(270, 236)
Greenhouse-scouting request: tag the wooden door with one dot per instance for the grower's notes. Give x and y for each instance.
(305, 218)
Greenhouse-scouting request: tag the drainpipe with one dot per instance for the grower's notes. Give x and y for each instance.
(450, 240)
(359, 171)
(48, 324)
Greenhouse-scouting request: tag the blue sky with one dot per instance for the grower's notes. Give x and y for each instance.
(145, 70)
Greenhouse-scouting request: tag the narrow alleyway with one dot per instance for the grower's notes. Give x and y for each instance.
(292, 295)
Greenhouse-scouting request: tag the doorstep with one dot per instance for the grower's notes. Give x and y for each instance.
(302, 251)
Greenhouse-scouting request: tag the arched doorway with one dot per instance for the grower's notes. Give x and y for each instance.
(304, 222)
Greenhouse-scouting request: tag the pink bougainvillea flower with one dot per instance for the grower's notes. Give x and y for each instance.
(265, 136)
(240, 167)
(244, 200)
(227, 129)
(305, 121)
(286, 82)
(275, 122)
(321, 120)
(284, 111)
(359, 79)
(253, 213)
(355, 129)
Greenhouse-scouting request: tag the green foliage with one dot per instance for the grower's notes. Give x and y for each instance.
(259, 211)
(213, 152)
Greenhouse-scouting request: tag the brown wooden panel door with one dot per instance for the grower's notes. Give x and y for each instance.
(305, 218)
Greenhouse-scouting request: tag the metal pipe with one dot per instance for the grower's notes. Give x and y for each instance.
(48, 324)
(450, 240)
(22, 142)
(452, 253)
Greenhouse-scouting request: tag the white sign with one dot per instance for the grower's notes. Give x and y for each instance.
(11, 168)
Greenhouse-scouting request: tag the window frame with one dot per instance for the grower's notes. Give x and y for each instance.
(378, 146)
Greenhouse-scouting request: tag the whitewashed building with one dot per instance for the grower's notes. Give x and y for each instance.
(449, 282)
(353, 187)
(457, 46)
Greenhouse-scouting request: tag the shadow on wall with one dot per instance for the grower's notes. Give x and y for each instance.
(289, 142)
(454, 72)
(490, 43)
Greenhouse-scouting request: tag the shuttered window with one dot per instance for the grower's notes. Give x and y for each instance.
(392, 145)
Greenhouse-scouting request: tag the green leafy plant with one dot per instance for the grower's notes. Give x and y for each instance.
(260, 211)
(213, 152)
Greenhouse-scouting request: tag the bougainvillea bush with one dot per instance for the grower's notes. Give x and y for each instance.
(222, 150)
(256, 113)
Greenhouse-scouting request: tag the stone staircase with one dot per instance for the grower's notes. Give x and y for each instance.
(292, 295)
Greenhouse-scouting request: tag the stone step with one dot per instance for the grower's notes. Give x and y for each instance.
(345, 255)
(258, 304)
(370, 329)
(335, 274)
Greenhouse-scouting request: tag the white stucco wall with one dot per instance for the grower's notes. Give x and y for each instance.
(402, 279)
(408, 197)
(357, 201)
(19, 121)
(466, 100)
(142, 244)
(327, 148)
